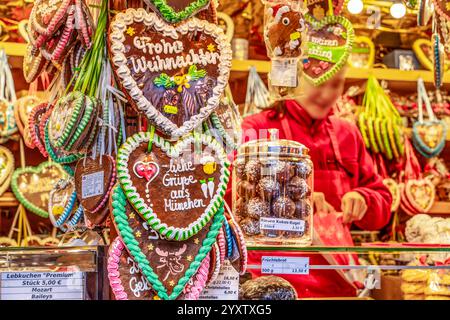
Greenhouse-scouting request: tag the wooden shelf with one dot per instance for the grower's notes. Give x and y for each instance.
(440, 207)
(13, 48)
(353, 73)
(8, 200)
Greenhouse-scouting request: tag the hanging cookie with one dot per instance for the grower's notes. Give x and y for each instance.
(319, 9)
(175, 75)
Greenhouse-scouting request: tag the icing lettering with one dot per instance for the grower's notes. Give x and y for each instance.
(324, 42)
(145, 44)
(137, 284)
(321, 53)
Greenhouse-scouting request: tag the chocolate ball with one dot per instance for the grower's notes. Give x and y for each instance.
(250, 226)
(252, 170)
(246, 189)
(303, 169)
(297, 188)
(302, 209)
(284, 207)
(240, 166)
(240, 208)
(283, 171)
(257, 208)
(268, 188)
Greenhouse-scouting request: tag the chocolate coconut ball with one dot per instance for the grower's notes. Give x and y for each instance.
(303, 169)
(268, 188)
(240, 167)
(252, 170)
(283, 171)
(302, 209)
(246, 190)
(257, 208)
(284, 207)
(250, 226)
(297, 188)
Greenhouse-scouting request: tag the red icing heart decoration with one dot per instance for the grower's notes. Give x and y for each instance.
(147, 170)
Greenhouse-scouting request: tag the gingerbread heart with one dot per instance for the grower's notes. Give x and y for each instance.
(175, 75)
(8, 124)
(318, 9)
(6, 165)
(125, 278)
(442, 8)
(7, 242)
(95, 179)
(420, 194)
(33, 64)
(423, 50)
(48, 15)
(226, 120)
(188, 188)
(61, 202)
(429, 137)
(329, 40)
(32, 185)
(34, 121)
(167, 265)
(363, 53)
(174, 11)
(22, 110)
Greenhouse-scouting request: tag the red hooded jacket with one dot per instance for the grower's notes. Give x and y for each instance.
(336, 172)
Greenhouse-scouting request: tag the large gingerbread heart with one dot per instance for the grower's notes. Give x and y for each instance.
(177, 10)
(175, 75)
(32, 185)
(167, 265)
(330, 42)
(177, 188)
(420, 194)
(430, 136)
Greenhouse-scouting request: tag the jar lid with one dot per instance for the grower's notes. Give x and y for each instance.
(273, 147)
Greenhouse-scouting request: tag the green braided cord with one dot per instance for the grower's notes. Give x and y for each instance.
(126, 232)
(79, 100)
(223, 133)
(169, 14)
(347, 47)
(146, 212)
(384, 133)
(18, 194)
(69, 170)
(86, 118)
(52, 154)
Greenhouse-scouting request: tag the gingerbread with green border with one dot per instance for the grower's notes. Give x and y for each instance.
(176, 188)
(175, 11)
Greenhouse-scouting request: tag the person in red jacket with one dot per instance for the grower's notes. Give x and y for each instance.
(345, 181)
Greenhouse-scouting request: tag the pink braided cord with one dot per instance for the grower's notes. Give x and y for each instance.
(114, 254)
(193, 291)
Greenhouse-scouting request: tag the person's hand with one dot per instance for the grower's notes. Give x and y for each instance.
(320, 203)
(353, 206)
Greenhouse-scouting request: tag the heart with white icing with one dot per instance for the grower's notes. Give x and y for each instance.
(167, 265)
(173, 74)
(430, 136)
(330, 42)
(420, 194)
(186, 190)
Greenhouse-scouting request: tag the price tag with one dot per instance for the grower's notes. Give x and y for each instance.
(92, 185)
(42, 286)
(284, 72)
(284, 265)
(282, 224)
(225, 287)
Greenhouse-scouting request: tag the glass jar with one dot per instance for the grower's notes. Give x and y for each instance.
(272, 192)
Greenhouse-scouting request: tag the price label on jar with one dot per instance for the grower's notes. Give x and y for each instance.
(284, 265)
(225, 287)
(42, 286)
(282, 224)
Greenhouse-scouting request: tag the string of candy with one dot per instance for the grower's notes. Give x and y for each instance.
(126, 232)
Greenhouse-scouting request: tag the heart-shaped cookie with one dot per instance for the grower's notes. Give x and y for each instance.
(33, 64)
(125, 278)
(6, 166)
(429, 137)
(363, 53)
(48, 15)
(7, 242)
(330, 42)
(8, 124)
(32, 185)
(226, 120)
(395, 192)
(61, 202)
(95, 179)
(34, 121)
(187, 190)
(175, 75)
(420, 194)
(167, 265)
(442, 8)
(423, 50)
(175, 11)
